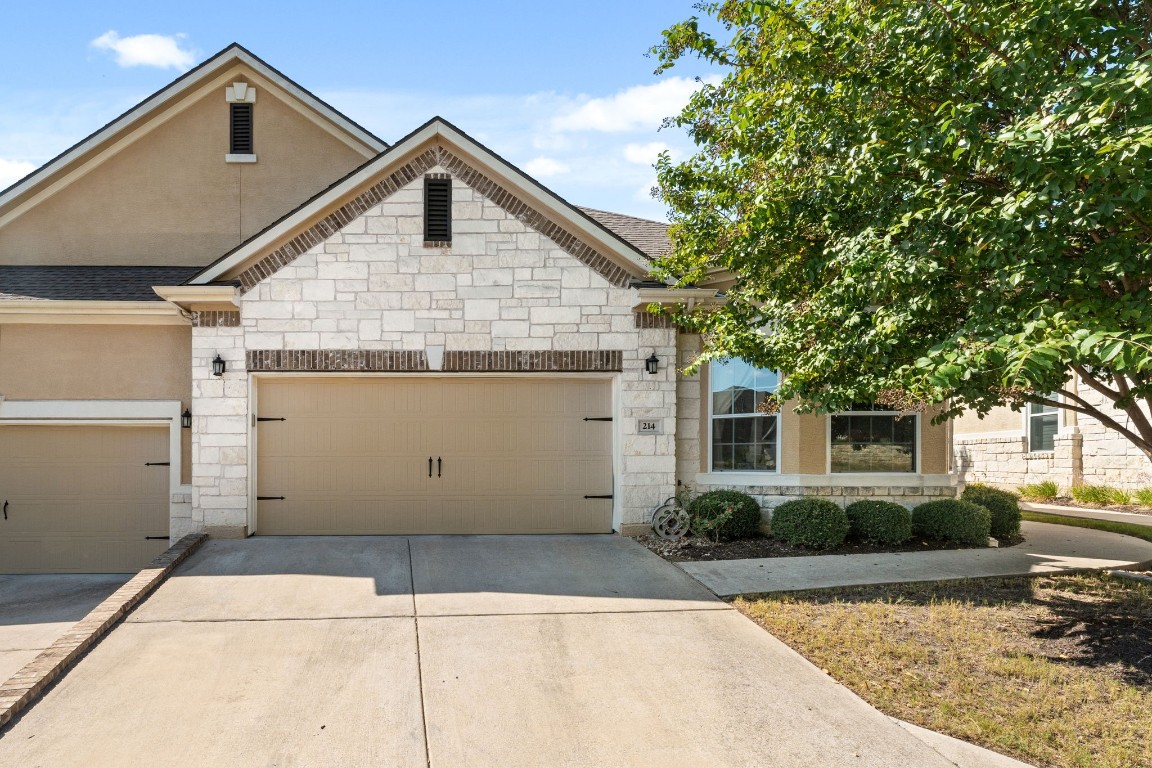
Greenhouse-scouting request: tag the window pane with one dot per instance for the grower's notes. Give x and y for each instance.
(1041, 408)
(1042, 432)
(873, 443)
(723, 378)
(744, 443)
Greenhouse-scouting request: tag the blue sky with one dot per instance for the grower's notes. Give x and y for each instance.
(563, 90)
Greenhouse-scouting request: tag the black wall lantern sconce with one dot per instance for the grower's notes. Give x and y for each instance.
(218, 366)
(652, 364)
(186, 419)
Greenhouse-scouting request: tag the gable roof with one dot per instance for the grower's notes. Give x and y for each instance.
(87, 149)
(59, 283)
(650, 237)
(436, 143)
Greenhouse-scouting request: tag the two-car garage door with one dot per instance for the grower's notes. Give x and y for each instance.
(424, 454)
(82, 499)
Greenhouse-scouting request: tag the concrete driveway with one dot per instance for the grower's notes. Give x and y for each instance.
(36, 610)
(446, 651)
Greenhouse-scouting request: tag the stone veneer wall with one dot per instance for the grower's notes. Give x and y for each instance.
(1089, 454)
(501, 286)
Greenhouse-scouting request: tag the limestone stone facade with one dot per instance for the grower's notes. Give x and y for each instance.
(502, 287)
(1084, 452)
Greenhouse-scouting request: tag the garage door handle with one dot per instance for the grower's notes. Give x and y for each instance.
(429, 466)
(438, 466)
(5, 509)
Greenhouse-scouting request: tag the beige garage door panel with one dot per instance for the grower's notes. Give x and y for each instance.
(80, 498)
(508, 455)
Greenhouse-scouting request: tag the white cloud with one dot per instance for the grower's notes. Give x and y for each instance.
(641, 107)
(163, 51)
(12, 171)
(645, 154)
(544, 167)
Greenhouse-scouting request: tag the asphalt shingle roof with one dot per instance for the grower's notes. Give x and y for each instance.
(59, 283)
(651, 237)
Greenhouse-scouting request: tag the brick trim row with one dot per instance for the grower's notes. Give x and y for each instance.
(409, 172)
(223, 319)
(645, 319)
(336, 360)
(540, 360)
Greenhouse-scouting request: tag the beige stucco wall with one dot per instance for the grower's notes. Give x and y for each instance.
(98, 362)
(170, 198)
(1002, 419)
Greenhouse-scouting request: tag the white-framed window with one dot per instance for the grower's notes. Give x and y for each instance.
(1043, 424)
(744, 420)
(871, 439)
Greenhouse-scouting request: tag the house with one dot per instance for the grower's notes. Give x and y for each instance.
(1040, 443)
(234, 310)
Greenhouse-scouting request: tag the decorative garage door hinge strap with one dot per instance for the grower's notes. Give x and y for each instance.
(157, 538)
(157, 463)
(270, 418)
(269, 498)
(607, 496)
(597, 418)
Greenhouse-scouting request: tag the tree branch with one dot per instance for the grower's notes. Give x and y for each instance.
(1144, 445)
(985, 43)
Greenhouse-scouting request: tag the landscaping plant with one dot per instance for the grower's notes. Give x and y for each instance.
(879, 522)
(1100, 494)
(817, 523)
(941, 204)
(953, 520)
(1003, 505)
(1043, 491)
(724, 515)
(1143, 497)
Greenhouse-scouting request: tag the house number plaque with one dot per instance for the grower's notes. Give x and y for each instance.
(650, 426)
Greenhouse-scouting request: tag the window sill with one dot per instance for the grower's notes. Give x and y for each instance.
(239, 158)
(1040, 454)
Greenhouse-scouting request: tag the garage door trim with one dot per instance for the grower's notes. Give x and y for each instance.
(613, 380)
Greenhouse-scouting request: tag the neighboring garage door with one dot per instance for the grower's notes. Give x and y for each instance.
(434, 455)
(80, 498)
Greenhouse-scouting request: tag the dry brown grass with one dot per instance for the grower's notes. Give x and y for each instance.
(1056, 671)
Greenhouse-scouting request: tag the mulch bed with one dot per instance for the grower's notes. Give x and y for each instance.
(693, 549)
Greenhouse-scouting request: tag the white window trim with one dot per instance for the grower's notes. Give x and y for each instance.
(735, 474)
(239, 158)
(1028, 416)
(917, 458)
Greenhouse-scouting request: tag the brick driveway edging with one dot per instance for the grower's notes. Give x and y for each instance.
(21, 690)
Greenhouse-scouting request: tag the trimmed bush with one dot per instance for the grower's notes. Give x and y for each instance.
(1039, 491)
(953, 520)
(723, 515)
(810, 523)
(880, 522)
(1004, 506)
(1143, 497)
(1100, 494)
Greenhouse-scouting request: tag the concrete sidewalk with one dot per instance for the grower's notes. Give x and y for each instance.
(1132, 518)
(1046, 549)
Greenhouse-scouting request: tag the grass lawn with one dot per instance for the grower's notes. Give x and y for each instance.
(1053, 670)
(1128, 529)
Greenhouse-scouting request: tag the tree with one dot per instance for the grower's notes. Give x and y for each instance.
(924, 202)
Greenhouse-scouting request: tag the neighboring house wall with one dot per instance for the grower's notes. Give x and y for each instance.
(373, 286)
(167, 197)
(994, 450)
(804, 469)
(98, 362)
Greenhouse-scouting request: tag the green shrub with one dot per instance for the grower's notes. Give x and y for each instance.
(881, 522)
(1143, 497)
(810, 523)
(723, 515)
(1100, 494)
(953, 520)
(1039, 491)
(1004, 506)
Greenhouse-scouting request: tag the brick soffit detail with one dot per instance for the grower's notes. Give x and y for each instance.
(455, 361)
(406, 174)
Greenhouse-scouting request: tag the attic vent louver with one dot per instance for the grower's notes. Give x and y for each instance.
(241, 137)
(438, 209)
